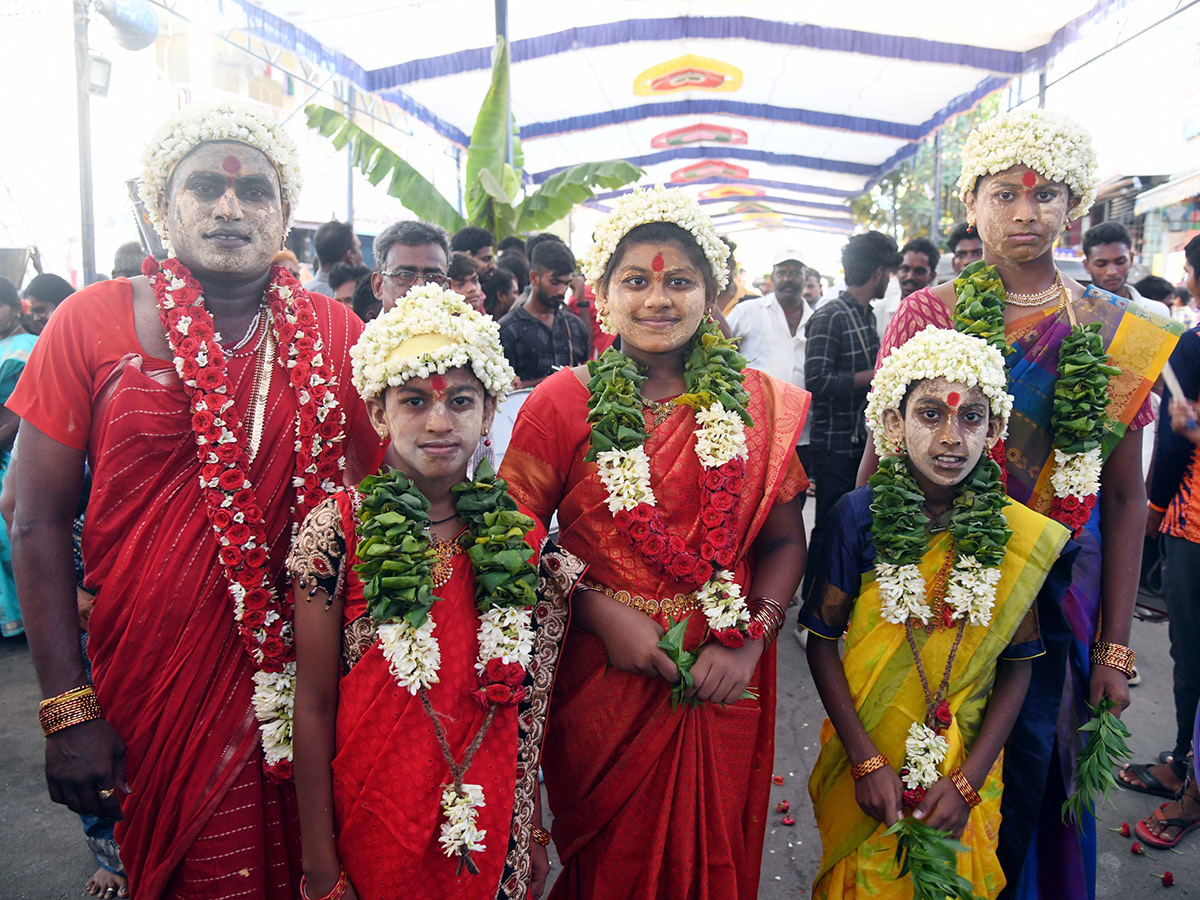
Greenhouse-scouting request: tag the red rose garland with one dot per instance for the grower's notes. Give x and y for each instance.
(263, 617)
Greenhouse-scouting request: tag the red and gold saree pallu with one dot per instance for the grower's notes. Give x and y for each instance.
(650, 802)
(171, 672)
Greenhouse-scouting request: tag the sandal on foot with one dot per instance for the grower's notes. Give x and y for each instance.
(1184, 826)
(1149, 783)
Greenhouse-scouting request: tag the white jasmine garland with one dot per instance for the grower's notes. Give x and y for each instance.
(505, 634)
(626, 477)
(228, 120)
(459, 833)
(1076, 474)
(901, 593)
(473, 340)
(971, 590)
(721, 436)
(722, 601)
(924, 751)
(412, 653)
(274, 701)
(937, 353)
(1057, 147)
(658, 204)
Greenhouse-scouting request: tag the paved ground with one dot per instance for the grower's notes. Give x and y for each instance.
(42, 856)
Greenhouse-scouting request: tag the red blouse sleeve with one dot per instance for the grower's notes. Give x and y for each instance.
(88, 332)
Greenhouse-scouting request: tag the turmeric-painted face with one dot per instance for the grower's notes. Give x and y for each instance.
(655, 298)
(945, 427)
(1018, 213)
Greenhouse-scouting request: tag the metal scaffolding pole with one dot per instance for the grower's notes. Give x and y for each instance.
(83, 107)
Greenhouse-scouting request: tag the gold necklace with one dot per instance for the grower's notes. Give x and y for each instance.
(660, 410)
(445, 551)
(261, 387)
(1039, 297)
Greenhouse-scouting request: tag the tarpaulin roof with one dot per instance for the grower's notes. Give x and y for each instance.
(761, 116)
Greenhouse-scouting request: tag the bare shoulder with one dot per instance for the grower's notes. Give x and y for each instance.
(581, 372)
(146, 323)
(945, 292)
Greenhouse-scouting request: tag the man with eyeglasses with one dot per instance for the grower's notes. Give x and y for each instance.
(407, 254)
(918, 265)
(964, 245)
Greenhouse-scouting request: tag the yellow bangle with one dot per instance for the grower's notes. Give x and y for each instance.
(1115, 656)
(866, 767)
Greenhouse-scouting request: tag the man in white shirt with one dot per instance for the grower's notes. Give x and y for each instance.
(771, 328)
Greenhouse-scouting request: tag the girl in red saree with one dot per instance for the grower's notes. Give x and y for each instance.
(424, 657)
(653, 799)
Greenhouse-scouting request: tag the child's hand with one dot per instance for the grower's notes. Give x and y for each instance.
(541, 870)
(721, 673)
(944, 808)
(879, 795)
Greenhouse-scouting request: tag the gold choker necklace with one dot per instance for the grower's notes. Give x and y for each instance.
(1038, 298)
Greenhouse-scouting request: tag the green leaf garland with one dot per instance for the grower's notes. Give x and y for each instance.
(1080, 417)
(980, 307)
(898, 517)
(714, 373)
(977, 522)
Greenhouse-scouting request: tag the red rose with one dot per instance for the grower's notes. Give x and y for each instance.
(185, 296)
(622, 519)
(231, 556)
(711, 518)
(244, 498)
(736, 466)
(731, 638)
(253, 515)
(305, 343)
(254, 618)
(719, 537)
(639, 531)
(643, 512)
(203, 421)
(209, 379)
(280, 771)
(947, 616)
(272, 647)
(676, 545)
(1136, 848)
(654, 545)
(275, 627)
(238, 533)
(787, 820)
(777, 780)
(912, 799)
(257, 598)
(755, 630)
(227, 453)
(318, 391)
(514, 674)
(480, 697)
(782, 806)
(734, 485)
(231, 480)
(188, 347)
(680, 566)
(222, 518)
(270, 664)
(714, 480)
(722, 500)
(1167, 879)
(707, 551)
(300, 374)
(942, 714)
(1124, 829)
(493, 671)
(725, 558)
(285, 333)
(247, 577)
(149, 266)
(311, 482)
(190, 369)
(211, 470)
(701, 572)
(255, 557)
(305, 317)
(329, 429)
(499, 693)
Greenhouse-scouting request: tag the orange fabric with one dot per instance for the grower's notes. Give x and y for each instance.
(388, 769)
(172, 674)
(650, 803)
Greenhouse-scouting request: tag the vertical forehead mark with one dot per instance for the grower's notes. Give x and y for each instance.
(952, 398)
(657, 264)
(438, 382)
(232, 164)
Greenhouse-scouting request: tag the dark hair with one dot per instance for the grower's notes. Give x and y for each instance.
(494, 285)
(1181, 293)
(343, 272)
(533, 240)
(811, 273)
(864, 253)
(332, 241)
(554, 257)
(363, 299)
(8, 294)
(1191, 252)
(926, 246)
(127, 261)
(960, 232)
(48, 288)
(518, 265)
(408, 234)
(1105, 233)
(462, 265)
(511, 243)
(471, 239)
(1155, 288)
(659, 233)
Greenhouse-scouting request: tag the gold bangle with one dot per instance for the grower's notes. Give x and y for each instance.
(1115, 656)
(964, 787)
(770, 614)
(337, 892)
(72, 707)
(866, 767)
(541, 836)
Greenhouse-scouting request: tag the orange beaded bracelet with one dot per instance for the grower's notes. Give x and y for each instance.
(865, 768)
(964, 787)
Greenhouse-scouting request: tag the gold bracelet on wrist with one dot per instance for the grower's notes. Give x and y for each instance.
(1115, 656)
(770, 614)
(964, 787)
(866, 767)
(337, 892)
(541, 836)
(69, 708)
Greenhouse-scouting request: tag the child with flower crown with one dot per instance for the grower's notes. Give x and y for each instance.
(932, 573)
(424, 653)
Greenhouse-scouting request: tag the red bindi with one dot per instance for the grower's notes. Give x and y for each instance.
(657, 264)
(438, 382)
(1029, 179)
(953, 398)
(232, 165)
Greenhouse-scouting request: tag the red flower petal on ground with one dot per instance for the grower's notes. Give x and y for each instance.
(787, 820)
(1137, 848)
(778, 779)
(783, 806)
(1124, 829)
(1167, 879)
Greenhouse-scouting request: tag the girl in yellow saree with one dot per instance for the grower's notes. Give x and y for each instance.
(935, 573)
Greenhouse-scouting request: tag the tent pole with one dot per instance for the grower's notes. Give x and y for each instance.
(83, 109)
(350, 156)
(1042, 89)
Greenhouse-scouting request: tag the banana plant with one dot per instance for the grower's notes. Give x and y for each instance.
(496, 196)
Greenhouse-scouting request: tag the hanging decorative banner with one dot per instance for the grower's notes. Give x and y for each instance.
(701, 132)
(688, 73)
(709, 168)
(726, 191)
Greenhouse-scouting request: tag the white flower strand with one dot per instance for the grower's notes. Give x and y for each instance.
(413, 653)
(460, 832)
(721, 436)
(505, 634)
(626, 477)
(924, 751)
(1076, 474)
(971, 591)
(901, 593)
(722, 601)
(274, 701)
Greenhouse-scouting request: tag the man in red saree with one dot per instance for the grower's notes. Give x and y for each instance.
(178, 755)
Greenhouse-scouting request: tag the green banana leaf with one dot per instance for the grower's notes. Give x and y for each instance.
(558, 193)
(377, 162)
(487, 150)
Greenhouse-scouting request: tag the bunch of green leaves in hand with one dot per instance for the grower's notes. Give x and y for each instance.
(1106, 747)
(672, 645)
(930, 858)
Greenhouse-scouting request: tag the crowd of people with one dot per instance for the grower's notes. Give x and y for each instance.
(330, 653)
